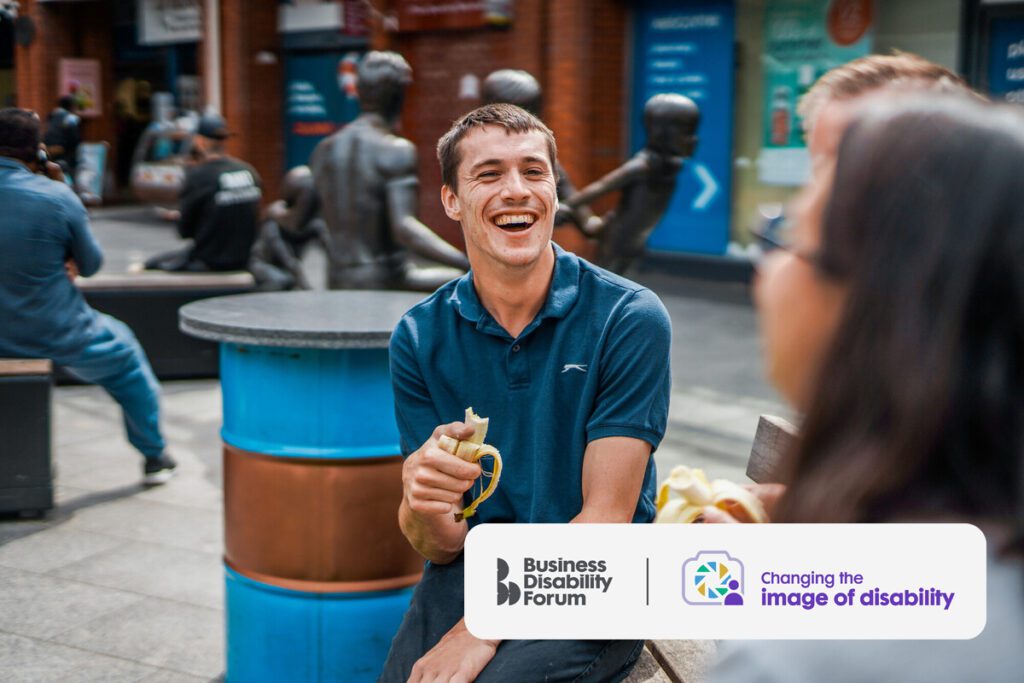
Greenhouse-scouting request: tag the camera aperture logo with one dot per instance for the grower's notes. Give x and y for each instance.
(558, 583)
(713, 577)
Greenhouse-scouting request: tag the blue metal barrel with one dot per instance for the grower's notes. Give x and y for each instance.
(318, 574)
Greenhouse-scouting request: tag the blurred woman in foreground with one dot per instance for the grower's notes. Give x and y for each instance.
(894, 320)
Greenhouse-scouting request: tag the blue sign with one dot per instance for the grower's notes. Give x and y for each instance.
(687, 48)
(1006, 59)
(320, 98)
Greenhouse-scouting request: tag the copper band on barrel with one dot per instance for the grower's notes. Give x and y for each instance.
(330, 586)
(334, 522)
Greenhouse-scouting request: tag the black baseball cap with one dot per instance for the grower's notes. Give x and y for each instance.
(213, 126)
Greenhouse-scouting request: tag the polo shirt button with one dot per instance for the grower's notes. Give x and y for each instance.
(515, 349)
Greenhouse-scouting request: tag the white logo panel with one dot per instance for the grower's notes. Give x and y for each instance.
(697, 581)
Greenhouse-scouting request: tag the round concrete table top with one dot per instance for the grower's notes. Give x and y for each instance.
(343, 319)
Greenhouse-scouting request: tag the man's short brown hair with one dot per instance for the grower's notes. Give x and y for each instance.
(872, 73)
(19, 134)
(510, 117)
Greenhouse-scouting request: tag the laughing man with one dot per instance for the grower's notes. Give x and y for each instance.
(571, 365)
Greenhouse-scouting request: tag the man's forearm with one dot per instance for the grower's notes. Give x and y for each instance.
(439, 538)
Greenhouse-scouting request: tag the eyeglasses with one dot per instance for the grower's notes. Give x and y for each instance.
(775, 233)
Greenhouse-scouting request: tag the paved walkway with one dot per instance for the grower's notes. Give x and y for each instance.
(125, 584)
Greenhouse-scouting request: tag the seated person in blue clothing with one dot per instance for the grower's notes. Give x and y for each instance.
(571, 365)
(44, 242)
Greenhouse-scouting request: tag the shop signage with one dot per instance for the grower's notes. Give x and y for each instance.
(310, 17)
(688, 49)
(81, 79)
(802, 40)
(165, 22)
(432, 15)
(1006, 59)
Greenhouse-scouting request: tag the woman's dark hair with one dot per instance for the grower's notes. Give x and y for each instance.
(919, 405)
(19, 134)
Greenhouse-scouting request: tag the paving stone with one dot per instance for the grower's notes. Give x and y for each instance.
(154, 570)
(99, 464)
(26, 660)
(56, 548)
(170, 635)
(152, 522)
(194, 485)
(80, 415)
(163, 676)
(44, 606)
(13, 528)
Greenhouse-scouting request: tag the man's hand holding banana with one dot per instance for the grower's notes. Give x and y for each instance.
(433, 482)
(433, 479)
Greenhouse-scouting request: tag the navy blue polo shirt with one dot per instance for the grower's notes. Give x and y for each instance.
(594, 363)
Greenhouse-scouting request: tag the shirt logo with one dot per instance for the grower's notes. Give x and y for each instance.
(573, 366)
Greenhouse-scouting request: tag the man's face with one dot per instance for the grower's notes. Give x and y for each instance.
(506, 197)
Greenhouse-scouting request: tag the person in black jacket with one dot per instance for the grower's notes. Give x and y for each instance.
(63, 135)
(219, 207)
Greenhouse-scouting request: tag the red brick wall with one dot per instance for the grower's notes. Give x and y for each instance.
(433, 102)
(66, 30)
(252, 93)
(35, 66)
(575, 48)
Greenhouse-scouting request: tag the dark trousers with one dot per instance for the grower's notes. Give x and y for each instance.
(437, 605)
(177, 261)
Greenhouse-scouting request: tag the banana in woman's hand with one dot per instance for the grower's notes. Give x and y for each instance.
(472, 450)
(694, 493)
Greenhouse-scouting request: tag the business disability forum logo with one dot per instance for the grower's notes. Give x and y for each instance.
(713, 577)
(559, 582)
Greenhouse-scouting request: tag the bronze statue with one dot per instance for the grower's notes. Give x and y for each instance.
(514, 86)
(276, 258)
(366, 189)
(647, 182)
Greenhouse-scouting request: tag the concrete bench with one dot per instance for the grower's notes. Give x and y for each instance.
(673, 661)
(26, 470)
(148, 302)
(687, 661)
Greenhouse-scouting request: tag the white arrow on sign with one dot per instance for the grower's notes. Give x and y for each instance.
(710, 188)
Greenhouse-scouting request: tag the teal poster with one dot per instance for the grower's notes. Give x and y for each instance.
(320, 97)
(802, 40)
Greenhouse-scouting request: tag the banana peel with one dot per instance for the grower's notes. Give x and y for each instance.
(474, 449)
(693, 492)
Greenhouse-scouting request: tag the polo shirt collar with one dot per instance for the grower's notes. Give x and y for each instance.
(7, 162)
(565, 288)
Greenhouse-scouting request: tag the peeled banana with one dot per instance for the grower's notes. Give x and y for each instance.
(694, 493)
(472, 450)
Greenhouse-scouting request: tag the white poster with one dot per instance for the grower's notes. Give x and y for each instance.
(165, 22)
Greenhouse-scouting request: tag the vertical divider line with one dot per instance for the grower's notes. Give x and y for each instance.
(647, 600)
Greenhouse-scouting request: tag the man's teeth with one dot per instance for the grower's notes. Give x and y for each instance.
(514, 219)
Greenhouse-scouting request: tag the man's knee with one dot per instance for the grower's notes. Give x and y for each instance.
(437, 605)
(582, 661)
